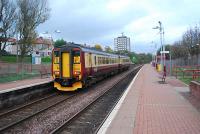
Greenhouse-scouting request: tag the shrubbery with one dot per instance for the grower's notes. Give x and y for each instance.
(46, 59)
(13, 58)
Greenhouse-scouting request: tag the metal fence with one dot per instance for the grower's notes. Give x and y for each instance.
(192, 62)
(187, 61)
(19, 71)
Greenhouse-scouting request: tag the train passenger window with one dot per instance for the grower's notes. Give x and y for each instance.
(95, 60)
(90, 60)
(99, 60)
(107, 61)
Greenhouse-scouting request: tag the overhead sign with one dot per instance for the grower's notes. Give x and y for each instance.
(166, 52)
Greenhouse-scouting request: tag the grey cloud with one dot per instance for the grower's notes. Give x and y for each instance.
(85, 21)
(88, 21)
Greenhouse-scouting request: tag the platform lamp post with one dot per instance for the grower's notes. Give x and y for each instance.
(197, 53)
(161, 31)
(154, 46)
(56, 31)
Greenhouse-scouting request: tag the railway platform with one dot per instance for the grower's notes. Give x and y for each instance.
(16, 85)
(151, 107)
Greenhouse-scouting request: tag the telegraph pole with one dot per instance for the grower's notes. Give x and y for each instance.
(162, 53)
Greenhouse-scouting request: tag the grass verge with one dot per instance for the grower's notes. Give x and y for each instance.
(15, 77)
(188, 80)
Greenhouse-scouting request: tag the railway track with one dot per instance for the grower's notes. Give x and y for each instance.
(90, 118)
(17, 115)
(74, 113)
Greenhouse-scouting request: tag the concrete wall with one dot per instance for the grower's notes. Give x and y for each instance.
(19, 96)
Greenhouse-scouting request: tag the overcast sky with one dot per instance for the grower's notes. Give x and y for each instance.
(100, 21)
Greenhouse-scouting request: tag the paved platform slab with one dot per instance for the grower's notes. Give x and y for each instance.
(153, 108)
(15, 85)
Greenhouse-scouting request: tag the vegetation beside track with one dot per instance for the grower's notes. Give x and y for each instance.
(15, 77)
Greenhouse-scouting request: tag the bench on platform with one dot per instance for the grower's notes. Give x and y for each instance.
(193, 71)
(196, 74)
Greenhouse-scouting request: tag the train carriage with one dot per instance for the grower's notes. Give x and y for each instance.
(74, 66)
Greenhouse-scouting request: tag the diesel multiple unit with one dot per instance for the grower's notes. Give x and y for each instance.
(75, 66)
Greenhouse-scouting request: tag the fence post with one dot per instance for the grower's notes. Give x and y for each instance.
(176, 71)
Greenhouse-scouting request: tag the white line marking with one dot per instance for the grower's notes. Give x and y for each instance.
(112, 115)
(25, 86)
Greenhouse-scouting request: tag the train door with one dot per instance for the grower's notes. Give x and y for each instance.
(66, 66)
(76, 63)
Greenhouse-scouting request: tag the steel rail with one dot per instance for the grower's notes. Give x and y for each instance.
(60, 128)
(34, 114)
(26, 105)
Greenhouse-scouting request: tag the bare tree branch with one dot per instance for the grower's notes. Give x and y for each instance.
(7, 22)
(32, 13)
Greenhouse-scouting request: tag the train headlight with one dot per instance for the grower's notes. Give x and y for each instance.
(77, 72)
(57, 73)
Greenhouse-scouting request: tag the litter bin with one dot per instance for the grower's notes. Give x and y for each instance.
(159, 67)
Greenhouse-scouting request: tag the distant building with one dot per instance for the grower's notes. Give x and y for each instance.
(122, 43)
(9, 43)
(41, 47)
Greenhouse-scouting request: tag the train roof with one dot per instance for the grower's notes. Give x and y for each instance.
(92, 50)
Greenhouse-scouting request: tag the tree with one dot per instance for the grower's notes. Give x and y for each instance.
(31, 14)
(123, 52)
(144, 58)
(108, 49)
(167, 48)
(59, 43)
(133, 56)
(8, 16)
(98, 47)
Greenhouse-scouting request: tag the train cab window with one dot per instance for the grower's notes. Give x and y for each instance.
(56, 53)
(76, 55)
(56, 57)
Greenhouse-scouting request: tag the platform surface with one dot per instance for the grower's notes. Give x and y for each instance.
(150, 107)
(16, 85)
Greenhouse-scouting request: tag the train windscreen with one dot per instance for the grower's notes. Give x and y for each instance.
(76, 57)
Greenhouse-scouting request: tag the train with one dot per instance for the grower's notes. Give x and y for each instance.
(75, 66)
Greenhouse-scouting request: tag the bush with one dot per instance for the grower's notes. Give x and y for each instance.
(13, 58)
(46, 59)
